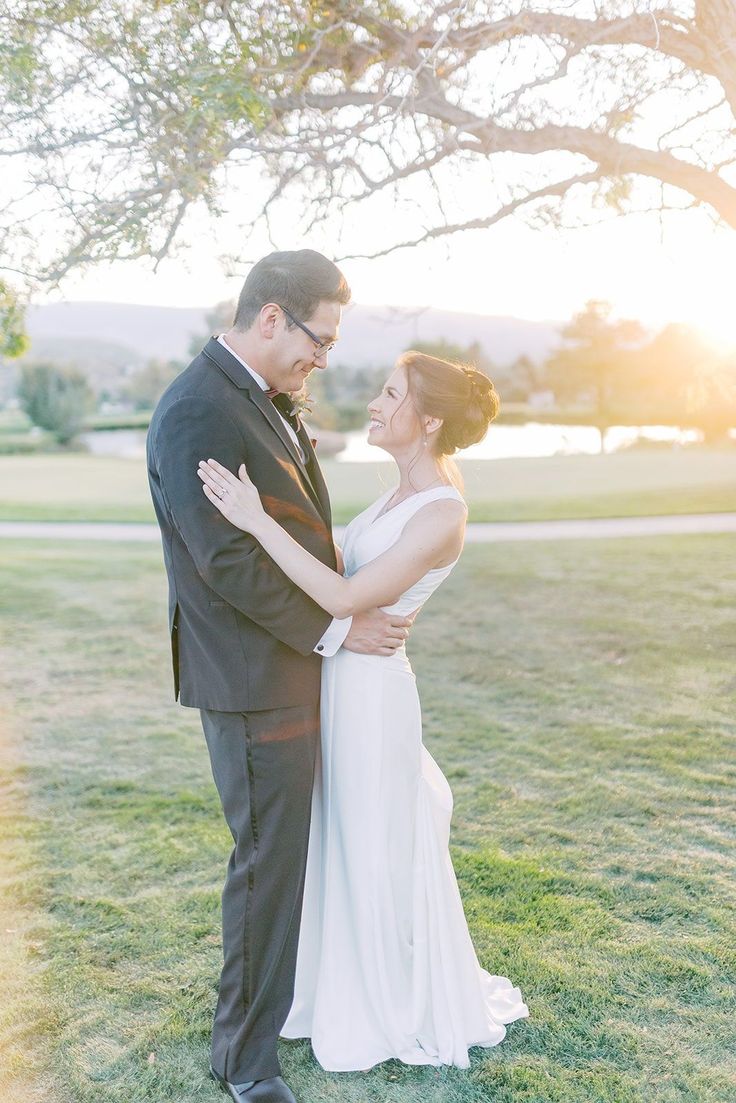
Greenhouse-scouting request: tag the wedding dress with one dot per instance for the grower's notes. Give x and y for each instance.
(385, 966)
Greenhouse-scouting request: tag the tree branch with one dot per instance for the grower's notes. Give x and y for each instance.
(559, 188)
(610, 154)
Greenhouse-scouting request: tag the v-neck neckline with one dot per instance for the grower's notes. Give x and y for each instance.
(379, 516)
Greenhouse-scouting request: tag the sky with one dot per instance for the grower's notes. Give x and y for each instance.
(675, 268)
(681, 271)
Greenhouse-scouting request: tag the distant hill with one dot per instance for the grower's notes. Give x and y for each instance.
(145, 332)
(377, 334)
(371, 335)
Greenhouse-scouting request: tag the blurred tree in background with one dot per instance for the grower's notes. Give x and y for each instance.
(597, 364)
(217, 320)
(55, 399)
(683, 377)
(145, 386)
(712, 398)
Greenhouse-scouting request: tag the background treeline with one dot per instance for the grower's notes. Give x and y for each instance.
(604, 371)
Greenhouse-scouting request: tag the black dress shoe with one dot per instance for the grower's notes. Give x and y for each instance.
(272, 1090)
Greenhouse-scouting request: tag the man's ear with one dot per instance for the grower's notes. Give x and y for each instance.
(268, 320)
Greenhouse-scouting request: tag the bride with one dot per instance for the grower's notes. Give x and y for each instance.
(385, 967)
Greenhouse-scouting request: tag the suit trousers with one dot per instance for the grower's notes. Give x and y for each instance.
(263, 765)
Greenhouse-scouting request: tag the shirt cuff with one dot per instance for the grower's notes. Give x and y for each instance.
(334, 637)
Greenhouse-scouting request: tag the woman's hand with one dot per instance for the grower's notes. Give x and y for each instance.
(236, 498)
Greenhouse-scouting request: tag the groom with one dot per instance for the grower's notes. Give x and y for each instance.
(246, 643)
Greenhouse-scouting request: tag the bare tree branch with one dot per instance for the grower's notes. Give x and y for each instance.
(127, 115)
(560, 188)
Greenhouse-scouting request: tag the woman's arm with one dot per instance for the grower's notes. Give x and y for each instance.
(432, 537)
(340, 559)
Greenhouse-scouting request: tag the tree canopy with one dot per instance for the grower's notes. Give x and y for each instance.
(122, 115)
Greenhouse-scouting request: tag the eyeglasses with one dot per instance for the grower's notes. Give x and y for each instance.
(322, 346)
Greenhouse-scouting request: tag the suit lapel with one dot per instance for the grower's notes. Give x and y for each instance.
(245, 382)
(315, 474)
(267, 408)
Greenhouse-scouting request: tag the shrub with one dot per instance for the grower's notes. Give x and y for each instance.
(55, 399)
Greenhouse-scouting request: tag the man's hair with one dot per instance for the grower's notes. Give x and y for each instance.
(298, 279)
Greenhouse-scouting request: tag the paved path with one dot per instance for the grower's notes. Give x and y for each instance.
(494, 532)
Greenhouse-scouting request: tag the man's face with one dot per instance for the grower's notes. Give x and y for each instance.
(293, 355)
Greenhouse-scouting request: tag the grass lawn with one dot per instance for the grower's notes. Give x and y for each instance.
(626, 484)
(579, 697)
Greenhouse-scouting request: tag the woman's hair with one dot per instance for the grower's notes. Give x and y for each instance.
(463, 397)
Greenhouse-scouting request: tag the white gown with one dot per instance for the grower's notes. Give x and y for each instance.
(385, 966)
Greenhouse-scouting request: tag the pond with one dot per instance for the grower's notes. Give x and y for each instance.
(502, 442)
(537, 439)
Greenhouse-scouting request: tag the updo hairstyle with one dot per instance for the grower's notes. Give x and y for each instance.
(463, 397)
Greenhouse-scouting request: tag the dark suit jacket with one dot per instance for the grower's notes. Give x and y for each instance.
(242, 634)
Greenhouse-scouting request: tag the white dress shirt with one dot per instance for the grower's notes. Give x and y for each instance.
(265, 387)
(335, 634)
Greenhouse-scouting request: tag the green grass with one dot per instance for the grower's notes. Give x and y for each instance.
(579, 699)
(135, 420)
(17, 437)
(627, 484)
(75, 487)
(14, 421)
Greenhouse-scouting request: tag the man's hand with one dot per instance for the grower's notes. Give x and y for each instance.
(377, 633)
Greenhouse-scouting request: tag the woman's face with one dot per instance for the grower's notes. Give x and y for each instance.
(394, 424)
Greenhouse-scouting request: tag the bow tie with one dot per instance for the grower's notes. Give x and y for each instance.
(285, 406)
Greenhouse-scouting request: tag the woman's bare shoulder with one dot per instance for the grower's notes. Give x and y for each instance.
(442, 521)
(446, 511)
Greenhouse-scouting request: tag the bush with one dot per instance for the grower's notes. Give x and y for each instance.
(55, 399)
(147, 385)
(22, 446)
